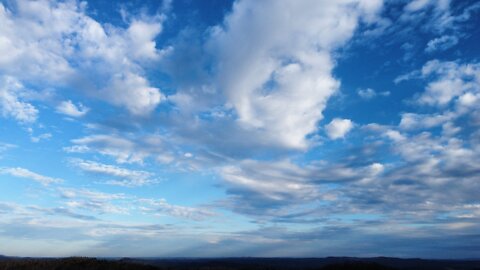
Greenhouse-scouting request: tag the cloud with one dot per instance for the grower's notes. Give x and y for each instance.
(369, 93)
(68, 108)
(277, 181)
(137, 96)
(11, 104)
(161, 207)
(126, 177)
(440, 18)
(6, 146)
(411, 172)
(452, 80)
(56, 44)
(92, 200)
(248, 122)
(44, 136)
(441, 43)
(449, 82)
(123, 149)
(120, 148)
(430, 171)
(119, 203)
(338, 128)
(436, 153)
(61, 211)
(25, 173)
(287, 192)
(272, 66)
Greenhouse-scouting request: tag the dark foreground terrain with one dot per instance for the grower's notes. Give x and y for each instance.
(331, 263)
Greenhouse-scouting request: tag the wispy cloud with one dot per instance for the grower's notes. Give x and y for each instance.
(25, 173)
(122, 176)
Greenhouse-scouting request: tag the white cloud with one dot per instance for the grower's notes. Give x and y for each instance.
(123, 177)
(70, 193)
(142, 36)
(76, 149)
(451, 80)
(408, 76)
(277, 181)
(44, 136)
(123, 149)
(275, 63)
(119, 203)
(24, 173)
(163, 207)
(275, 188)
(136, 94)
(369, 93)
(11, 105)
(5, 147)
(420, 5)
(55, 44)
(338, 128)
(68, 108)
(439, 19)
(92, 200)
(441, 43)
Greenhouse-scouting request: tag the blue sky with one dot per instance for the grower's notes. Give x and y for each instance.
(240, 128)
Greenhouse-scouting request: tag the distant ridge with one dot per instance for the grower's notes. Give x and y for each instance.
(310, 263)
(246, 263)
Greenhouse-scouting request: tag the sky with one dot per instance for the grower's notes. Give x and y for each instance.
(182, 128)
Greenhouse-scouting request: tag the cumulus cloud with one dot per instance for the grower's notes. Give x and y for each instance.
(25, 173)
(273, 62)
(68, 108)
(136, 94)
(52, 44)
(338, 128)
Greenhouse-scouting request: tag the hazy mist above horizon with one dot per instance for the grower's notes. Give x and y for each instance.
(213, 128)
